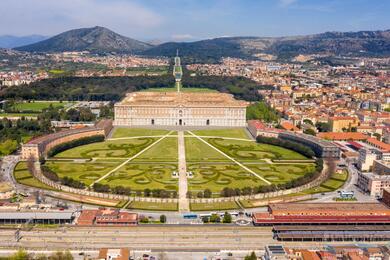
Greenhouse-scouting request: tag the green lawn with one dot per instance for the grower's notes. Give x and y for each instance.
(216, 176)
(38, 106)
(214, 206)
(23, 176)
(232, 133)
(164, 151)
(153, 206)
(183, 89)
(335, 182)
(132, 132)
(84, 172)
(109, 149)
(18, 115)
(250, 151)
(197, 151)
(139, 176)
(281, 173)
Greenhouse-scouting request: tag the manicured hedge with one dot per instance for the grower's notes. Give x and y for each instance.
(297, 147)
(68, 145)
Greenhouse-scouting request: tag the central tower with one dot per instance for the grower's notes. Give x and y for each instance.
(177, 71)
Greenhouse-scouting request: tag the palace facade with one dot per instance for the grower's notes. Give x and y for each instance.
(180, 109)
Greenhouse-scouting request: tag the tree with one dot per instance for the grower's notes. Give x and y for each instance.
(227, 218)
(323, 127)
(262, 111)
(252, 256)
(215, 218)
(207, 193)
(377, 136)
(163, 218)
(308, 121)
(20, 255)
(309, 131)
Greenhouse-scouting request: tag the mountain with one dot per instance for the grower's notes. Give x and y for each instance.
(101, 40)
(10, 41)
(96, 40)
(364, 43)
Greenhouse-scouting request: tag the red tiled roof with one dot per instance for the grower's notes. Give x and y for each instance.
(338, 136)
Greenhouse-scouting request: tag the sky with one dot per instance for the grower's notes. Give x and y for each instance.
(189, 20)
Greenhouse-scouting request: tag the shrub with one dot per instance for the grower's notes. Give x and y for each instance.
(68, 145)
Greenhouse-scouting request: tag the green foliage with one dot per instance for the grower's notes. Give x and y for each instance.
(215, 218)
(252, 256)
(163, 218)
(144, 219)
(309, 131)
(227, 218)
(387, 109)
(306, 151)
(98, 187)
(261, 111)
(323, 127)
(68, 181)
(82, 141)
(8, 146)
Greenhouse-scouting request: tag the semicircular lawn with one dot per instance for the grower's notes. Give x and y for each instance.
(109, 149)
(216, 162)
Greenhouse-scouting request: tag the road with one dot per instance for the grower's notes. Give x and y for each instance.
(147, 237)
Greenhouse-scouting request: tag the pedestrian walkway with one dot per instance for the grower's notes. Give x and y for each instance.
(184, 205)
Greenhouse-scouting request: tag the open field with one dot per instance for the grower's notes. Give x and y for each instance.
(139, 176)
(281, 173)
(23, 176)
(132, 132)
(214, 206)
(250, 151)
(18, 115)
(197, 151)
(85, 172)
(153, 206)
(109, 149)
(231, 133)
(164, 151)
(335, 182)
(218, 176)
(38, 106)
(183, 89)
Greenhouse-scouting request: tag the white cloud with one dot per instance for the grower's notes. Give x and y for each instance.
(51, 16)
(286, 3)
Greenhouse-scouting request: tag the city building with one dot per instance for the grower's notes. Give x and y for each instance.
(321, 148)
(40, 146)
(256, 128)
(341, 124)
(323, 213)
(107, 217)
(366, 159)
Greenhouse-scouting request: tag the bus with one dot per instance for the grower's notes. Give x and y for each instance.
(190, 216)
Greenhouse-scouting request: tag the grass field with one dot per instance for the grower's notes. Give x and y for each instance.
(18, 115)
(197, 151)
(84, 172)
(23, 176)
(214, 206)
(153, 168)
(132, 132)
(249, 151)
(215, 177)
(139, 176)
(109, 149)
(335, 182)
(164, 151)
(153, 206)
(38, 106)
(183, 89)
(232, 133)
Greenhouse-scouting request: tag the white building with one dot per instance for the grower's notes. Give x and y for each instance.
(366, 159)
(180, 109)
